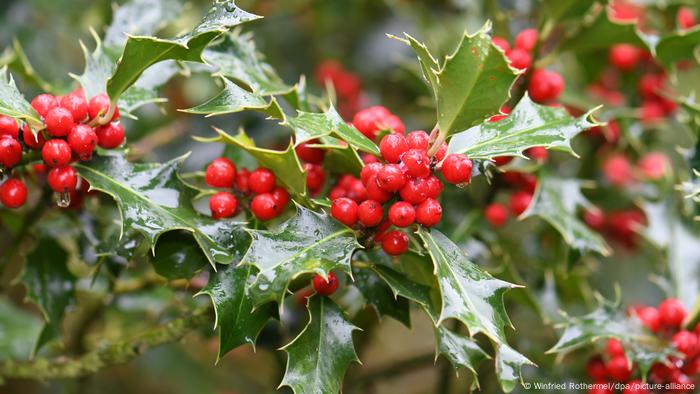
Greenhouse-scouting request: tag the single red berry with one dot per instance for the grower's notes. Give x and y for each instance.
(325, 286)
(337, 192)
(672, 313)
(416, 162)
(415, 191)
(368, 171)
(596, 369)
(242, 179)
(652, 110)
(10, 151)
(391, 178)
(501, 43)
(686, 18)
(375, 192)
(635, 387)
(434, 186)
(77, 104)
(43, 103)
(393, 123)
(357, 191)
(83, 141)
(366, 121)
(110, 135)
(519, 202)
(262, 180)
(418, 139)
(496, 214)
(537, 153)
(9, 127)
(13, 193)
(32, 141)
(264, 206)
(502, 160)
(346, 181)
(344, 210)
(223, 205)
(59, 122)
(457, 168)
(654, 165)
(310, 154)
(441, 152)
(619, 369)
(315, 177)
(369, 158)
(526, 39)
(650, 317)
(370, 213)
(220, 173)
(402, 214)
(519, 58)
(594, 218)
(626, 57)
(545, 86)
(281, 196)
(63, 179)
(56, 153)
(614, 348)
(392, 147)
(99, 106)
(650, 84)
(395, 243)
(429, 212)
(618, 171)
(686, 342)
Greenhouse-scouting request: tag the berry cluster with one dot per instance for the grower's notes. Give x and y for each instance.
(621, 225)
(619, 172)
(523, 186)
(268, 202)
(71, 130)
(679, 371)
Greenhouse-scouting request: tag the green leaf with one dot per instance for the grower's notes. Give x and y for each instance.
(557, 201)
(309, 242)
(16, 59)
(235, 99)
(238, 321)
(177, 256)
(460, 350)
(141, 52)
(308, 126)
(509, 364)
(529, 125)
(319, 356)
(98, 68)
(19, 330)
(285, 164)
(556, 10)
(602, 33)
(153, 200)
(140, 18)
(49, 285)
(471, 84)
(678, 46)
(380, 296)
(402, 286)
(12, 103)
(684, 262)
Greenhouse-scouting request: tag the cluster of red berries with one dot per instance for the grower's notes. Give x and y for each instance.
(347, 85)
(621, 225)
(72, 128)
(523, 185)
(680, 373)
(269, 199)
(619, 172)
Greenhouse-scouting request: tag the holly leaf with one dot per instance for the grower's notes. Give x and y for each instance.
(403, 286)
(19, 330)
(153, 200)
(678, 46)
(238, 320)
(49, 285)
(309, 242)
(471, 84)
(557, 201)
(177, 256)
(308, 126)
(601, 32)
(509, 365)
(16, 59)
(319, 356)
(557, 10)
(528, 125)
(12, 102)
(140, 18)
(460, 350)
(380, 297)
(141, 52)
(235, 99)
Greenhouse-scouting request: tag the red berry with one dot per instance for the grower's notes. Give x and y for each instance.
(59, 122)
(366, 121)
(614, 348)
(625, 56)
(519, 58)
(434, 186)
(402, 214)
(654, 165)
(502, 160)
(594, 218)
(501, 43)
(392, 147)
(416, 162)
(63, 179)
(241, 180)
(110, 135)
(415, 191)
(337, 192)
(545, 86)
(43, 103)
(429, 212)
(596, 369)
(357, 191)
(686, 342)
(315, 177)
(32, 141)
(618, 171)
(391, 178)
(99, 106)
(441, 152)
(77, 104)
(649, 316)
(344, 210)
(375, 192)
(264, 206)
(393, 123)
(526, 39)
(223, 205)
(650, 84)
(652, 110)
(13, 193)
(457, 168)
(83, 141)
(369, 158)
(56, 153)
(370, 213)
(519, 202)
(418, 139)
(368, 171)
(619, 369)
(281, 196)
(220, 173)
(686, 18)
(395, 243)
(635, 387)
(10, 151)
(9, 126)
(325, 286)
(310, 154)
(672, 313)
(537, 153)
(346, 181)
(261, 180)
(496, 214)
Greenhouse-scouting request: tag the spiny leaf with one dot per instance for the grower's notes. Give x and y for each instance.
(460, 350)
(557, 201)
(509, 364)
(12, 103)
(141, 52)
(141, 18)
(529, 125)
(309, 242)
(402, 286)
(380, 296)
(235, 99)
(177, 256)
(153, 200)
(238, 321)
(601, 33)
(319, 356)
(678, 46)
